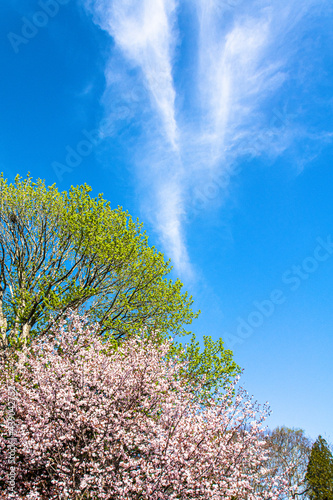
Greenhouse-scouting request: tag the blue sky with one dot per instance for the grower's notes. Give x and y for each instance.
(211, 121)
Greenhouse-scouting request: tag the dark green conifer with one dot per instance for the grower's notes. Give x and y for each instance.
(319, 475)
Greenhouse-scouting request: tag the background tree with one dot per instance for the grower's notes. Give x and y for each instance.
(288, 449)
(319, 475)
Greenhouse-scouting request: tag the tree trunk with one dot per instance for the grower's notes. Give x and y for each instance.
(3, 325)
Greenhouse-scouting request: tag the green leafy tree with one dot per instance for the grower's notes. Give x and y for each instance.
(319, 475)
(62, 251)
(67, 250)
(214, 362)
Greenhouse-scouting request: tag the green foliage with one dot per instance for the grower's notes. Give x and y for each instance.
(319, 475)
(62, 251)
(68, 250)
(214, 363)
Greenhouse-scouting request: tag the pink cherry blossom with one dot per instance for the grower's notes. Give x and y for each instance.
(99, 422)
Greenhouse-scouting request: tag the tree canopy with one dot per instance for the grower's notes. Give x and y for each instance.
(68, 250)
(289, 449)
(98, 421)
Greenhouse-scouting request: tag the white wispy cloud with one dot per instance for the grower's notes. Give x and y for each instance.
(144, 33)
(244, 55)
(238, 70)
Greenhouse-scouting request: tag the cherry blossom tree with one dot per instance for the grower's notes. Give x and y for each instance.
(96, 420)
